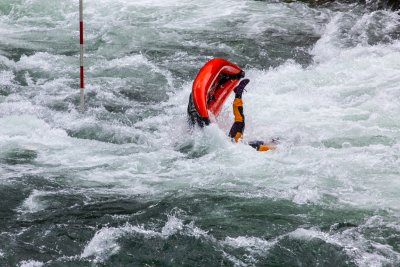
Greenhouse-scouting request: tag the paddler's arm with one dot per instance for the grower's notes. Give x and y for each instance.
(261, 146)
(238, 110)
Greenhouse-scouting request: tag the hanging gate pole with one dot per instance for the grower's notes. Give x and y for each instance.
(82, 85)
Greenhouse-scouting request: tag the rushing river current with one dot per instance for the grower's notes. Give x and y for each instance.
(126, 183)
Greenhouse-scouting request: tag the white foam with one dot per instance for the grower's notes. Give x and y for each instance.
(273, 17)
(173, 226)
(251, 243)
(105, 241)
(54, 65)
(347, 30)
(337, 118)
(103, 244)
(365, 252)
(33, 203)
(6, 78)
(340, 96)
(31, 263)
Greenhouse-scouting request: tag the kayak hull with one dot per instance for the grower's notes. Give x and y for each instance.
(206, 79)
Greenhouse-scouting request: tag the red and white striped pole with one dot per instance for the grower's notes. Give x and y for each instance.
(82, 84)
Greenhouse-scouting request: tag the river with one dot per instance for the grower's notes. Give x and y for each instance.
(127, 184)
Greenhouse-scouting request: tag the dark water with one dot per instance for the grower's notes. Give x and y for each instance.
(126, 183)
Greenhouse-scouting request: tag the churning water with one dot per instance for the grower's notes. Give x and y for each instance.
(126, 183)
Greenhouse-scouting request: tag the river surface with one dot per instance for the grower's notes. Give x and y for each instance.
(127, 184)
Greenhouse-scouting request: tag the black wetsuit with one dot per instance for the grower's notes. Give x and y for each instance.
(193, 116)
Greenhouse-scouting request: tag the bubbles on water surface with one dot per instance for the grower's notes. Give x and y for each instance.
(324, 81)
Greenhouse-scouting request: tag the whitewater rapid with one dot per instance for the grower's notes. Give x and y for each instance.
(127, 177)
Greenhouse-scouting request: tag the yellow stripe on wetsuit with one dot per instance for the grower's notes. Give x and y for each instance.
(238, 110)
(239, 119)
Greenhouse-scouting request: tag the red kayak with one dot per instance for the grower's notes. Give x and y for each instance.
(212, 85)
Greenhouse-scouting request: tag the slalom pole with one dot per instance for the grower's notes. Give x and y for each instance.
(82, 84)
